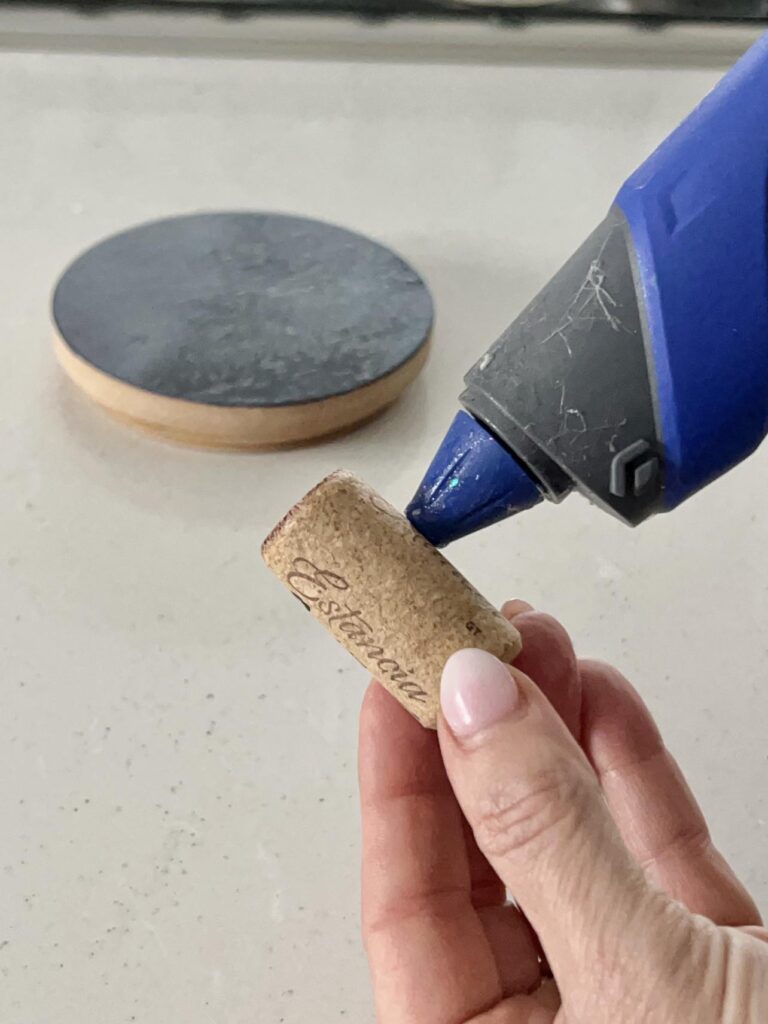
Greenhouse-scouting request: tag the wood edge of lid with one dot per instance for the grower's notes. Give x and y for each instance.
(236, 428)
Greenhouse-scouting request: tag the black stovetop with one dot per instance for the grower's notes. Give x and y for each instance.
(652, 11)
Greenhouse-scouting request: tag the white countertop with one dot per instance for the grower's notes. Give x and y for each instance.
(178, 802)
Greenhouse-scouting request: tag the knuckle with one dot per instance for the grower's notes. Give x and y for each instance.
(690, 842)
(521, 816)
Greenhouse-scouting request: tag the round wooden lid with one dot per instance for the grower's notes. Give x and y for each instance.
(241, 330)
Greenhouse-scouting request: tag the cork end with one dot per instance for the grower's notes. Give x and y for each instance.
(277, 530)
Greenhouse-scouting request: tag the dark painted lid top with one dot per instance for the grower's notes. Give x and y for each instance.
(243, 309)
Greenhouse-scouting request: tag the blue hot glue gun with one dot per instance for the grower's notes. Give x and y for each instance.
(640, 373)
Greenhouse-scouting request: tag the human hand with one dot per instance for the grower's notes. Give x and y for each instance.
(625, 913)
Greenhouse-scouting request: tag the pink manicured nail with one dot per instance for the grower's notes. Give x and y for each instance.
(476, 691)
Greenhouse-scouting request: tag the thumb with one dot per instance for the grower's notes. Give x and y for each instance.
(538, 815)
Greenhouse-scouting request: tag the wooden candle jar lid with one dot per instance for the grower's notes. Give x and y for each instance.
(241, 330)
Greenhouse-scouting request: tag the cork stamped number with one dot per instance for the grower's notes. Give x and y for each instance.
(382, 590)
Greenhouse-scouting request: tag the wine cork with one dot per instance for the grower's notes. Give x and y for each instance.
(383, 591)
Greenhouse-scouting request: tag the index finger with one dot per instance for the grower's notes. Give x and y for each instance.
(655, 810)
(549, 659)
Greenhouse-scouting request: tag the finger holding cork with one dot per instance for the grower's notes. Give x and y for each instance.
(383, 591)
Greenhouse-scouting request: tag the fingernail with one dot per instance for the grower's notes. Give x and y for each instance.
(476, 691)
(515, 607)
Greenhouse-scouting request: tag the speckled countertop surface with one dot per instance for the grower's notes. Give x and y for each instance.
(179, 833)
